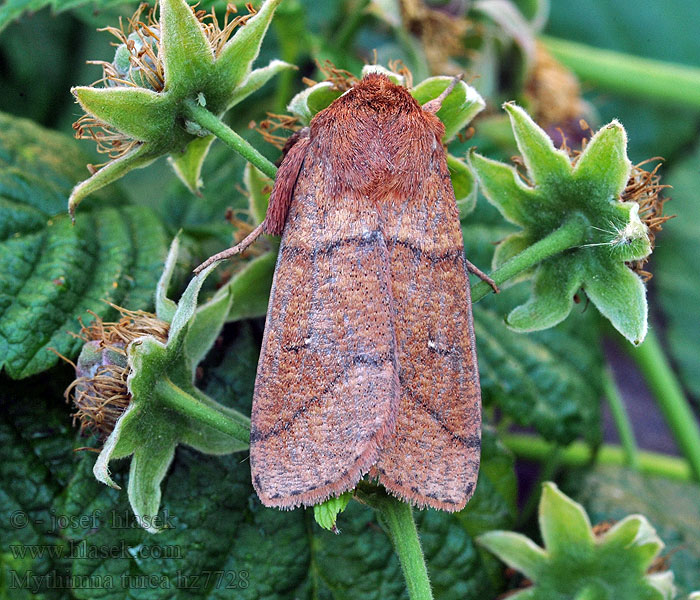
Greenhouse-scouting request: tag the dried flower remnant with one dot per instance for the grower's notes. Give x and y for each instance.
(555, 93)
(166, 58)
(99, 392)
(440, 31)
(341, 79)
(645, 188)
(269, 127)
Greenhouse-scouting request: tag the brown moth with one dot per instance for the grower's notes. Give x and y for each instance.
(368, 362)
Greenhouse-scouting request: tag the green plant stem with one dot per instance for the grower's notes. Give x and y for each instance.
(630, 75)
(350, 25)
(580, 454)
(570, 234)
(214, 415)
(200, 115)
(397, 519)
(622, 421)
(662, 382)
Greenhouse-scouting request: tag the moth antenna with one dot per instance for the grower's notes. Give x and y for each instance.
(230, 252)
(481, 275)
(434, 105)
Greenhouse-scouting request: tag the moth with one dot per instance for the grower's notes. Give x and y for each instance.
(368, 362)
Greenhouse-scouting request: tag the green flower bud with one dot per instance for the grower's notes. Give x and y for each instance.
(162, 62)
(579, 561)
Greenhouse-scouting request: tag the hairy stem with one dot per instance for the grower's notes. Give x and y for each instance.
(662, 381)
(580, 454)
(622, 421)
(570, 234)
(200, 115)
(397, 519)
(214, 415)
(630, 75)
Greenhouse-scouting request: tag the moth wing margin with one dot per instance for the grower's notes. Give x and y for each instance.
(327, 386)
(432, 458)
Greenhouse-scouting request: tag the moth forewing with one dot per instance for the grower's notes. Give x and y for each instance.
(368, 361)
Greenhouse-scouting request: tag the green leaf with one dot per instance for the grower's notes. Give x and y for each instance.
(312, 100)
(458, 109)
(620, 296)
(36, 462)
(495, 499)
(326, 513)
(502, 181)
(52, 273)
(564, 523)
(184, 49)
(258, 187)
(206, 325)
(543, 380)
(610, 493)
(188, 165)
(148, 467)
(554, 284)
(165, 307)
(463, 184)
(257, 79)
(235, 59)
(139, 113)
(516, 550)
(140, 156)
(605, 161)
(250, 287)
(544, 162)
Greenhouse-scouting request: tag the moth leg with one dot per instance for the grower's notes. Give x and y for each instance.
(229, 252)
(434, 105)
(481, 275)
(280, 198)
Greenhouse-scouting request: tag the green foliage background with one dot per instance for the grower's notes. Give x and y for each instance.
(549, 380)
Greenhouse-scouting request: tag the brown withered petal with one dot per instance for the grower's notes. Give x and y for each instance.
(645, 188)
(441, 34)
(554, 89)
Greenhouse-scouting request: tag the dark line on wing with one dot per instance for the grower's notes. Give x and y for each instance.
(371, 239)
(432, 257)
(471, 441)
(359, 359)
